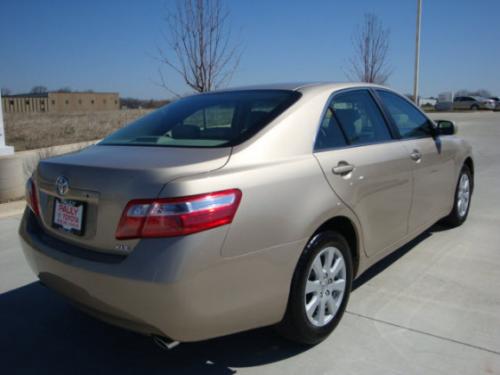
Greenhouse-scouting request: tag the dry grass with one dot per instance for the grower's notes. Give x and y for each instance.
(27, 131)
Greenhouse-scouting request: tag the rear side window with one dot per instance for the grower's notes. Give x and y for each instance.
(410, 122)
(360, 118)
(206, 120)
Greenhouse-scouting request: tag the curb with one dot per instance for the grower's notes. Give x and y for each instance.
(12, 209)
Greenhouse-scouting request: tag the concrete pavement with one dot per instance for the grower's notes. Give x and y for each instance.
(14, 208)
(433, 307)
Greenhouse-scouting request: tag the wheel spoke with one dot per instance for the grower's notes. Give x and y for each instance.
(311, 307)
(337, 266)
(317, 267)
(313, 286)
(338, 285)
(333, 306)
(321, 312)
(329, 259)
(465, 182)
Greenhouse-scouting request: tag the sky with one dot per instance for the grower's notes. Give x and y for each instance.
(111, 45)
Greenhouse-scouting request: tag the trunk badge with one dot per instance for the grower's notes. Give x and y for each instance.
(62, 185)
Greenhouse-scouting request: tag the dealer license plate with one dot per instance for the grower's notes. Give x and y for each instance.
(68, 215)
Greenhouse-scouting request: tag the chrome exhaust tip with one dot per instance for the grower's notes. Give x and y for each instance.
(164, 343)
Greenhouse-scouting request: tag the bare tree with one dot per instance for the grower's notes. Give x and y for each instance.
(199, 45)
(371, 46)
(462, 92)
(4, 91)
(39, 90)
(481, 92)
(65, 89)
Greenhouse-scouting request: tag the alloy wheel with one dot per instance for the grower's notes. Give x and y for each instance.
(325, 286)
(463, 195)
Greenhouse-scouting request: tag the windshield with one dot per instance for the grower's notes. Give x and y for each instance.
(206, 120)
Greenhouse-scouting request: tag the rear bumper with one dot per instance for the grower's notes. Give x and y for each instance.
(181, 288)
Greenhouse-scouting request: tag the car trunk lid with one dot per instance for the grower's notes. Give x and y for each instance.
(104, 178)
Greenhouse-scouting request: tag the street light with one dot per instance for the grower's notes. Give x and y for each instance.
(417, 53)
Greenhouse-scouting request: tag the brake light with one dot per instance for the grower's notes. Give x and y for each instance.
(32, 197)
(170, 217)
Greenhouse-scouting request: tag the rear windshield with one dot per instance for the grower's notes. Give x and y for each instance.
(206, 120)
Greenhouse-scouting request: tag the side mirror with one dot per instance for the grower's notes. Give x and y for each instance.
(445, 127)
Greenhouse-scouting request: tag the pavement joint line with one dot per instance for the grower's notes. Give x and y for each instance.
(424, 333)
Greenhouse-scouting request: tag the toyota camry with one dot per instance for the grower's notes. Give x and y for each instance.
(242, 208)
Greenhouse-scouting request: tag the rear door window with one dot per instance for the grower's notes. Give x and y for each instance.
(360, 118)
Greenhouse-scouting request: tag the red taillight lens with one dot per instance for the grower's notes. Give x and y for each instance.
(177, 216)
(32, 197)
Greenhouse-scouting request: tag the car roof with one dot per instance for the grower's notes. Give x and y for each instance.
(303, 86)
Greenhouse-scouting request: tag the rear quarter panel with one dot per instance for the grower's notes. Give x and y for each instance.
(283, 202)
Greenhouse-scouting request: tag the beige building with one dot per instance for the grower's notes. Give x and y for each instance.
(60, 102)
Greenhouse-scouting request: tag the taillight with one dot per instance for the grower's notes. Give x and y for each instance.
(169, 217)
(32, 197)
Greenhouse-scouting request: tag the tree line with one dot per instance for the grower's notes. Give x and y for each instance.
(481, 92)
(39, 89)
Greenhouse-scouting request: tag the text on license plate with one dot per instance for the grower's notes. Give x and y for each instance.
(68, 215)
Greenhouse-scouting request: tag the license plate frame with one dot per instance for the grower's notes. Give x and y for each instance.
(74, 216)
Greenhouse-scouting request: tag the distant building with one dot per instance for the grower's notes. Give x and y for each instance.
(61, 102)
(428, 102)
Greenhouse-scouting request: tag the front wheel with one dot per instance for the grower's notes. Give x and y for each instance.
(463, 194)
(320, 289)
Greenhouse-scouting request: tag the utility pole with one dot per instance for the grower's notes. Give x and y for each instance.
(417, 53)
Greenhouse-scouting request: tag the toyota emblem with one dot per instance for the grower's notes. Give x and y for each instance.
(62, 185)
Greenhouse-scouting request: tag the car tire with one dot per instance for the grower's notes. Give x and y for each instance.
(463, 195)
(309, 328)
(474, 107)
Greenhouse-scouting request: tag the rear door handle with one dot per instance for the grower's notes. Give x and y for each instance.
(416, 155)
(343, 168)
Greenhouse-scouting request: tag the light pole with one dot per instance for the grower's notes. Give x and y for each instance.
(417, 53)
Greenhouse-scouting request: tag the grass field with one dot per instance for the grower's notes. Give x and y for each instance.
(27, 131)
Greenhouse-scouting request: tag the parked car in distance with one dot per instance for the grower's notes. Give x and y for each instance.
(243, 208)
(443, 106)
(496, 99)
(473, 103)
